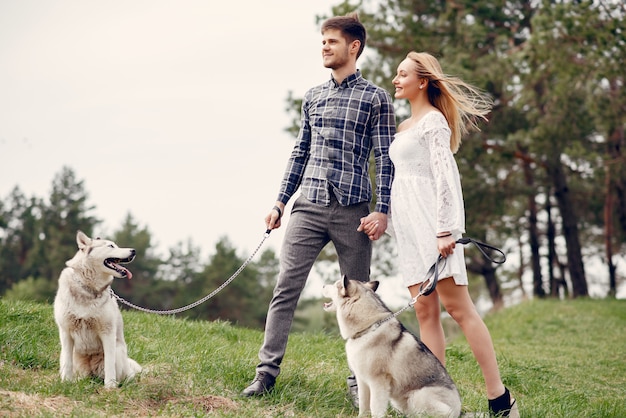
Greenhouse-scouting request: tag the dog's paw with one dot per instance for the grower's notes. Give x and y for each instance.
(110, 384)
(67, 376)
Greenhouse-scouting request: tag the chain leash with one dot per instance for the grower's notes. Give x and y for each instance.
(198, 302)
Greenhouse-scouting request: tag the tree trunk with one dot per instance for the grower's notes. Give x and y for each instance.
(570, 228)
(608, 230)
(614, 200)
(533, 230)
(552, 261)
(482, 266)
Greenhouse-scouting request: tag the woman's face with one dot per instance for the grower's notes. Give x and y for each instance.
(406, 82)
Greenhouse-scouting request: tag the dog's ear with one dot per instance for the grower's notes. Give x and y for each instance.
(82, 240)
(372, 285)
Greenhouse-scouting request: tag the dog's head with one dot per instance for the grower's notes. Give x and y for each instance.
(355, 304)
(345, 290)
(102, 256)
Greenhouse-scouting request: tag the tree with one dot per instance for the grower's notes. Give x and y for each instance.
(20, 220)
(605, 31)
(66, 212)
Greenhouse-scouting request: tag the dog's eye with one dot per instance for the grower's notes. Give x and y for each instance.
(111, 246)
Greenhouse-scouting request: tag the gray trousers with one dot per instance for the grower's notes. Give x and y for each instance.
(309, 229)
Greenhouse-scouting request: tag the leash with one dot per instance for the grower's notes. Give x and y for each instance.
(198, 302)
(432, 275)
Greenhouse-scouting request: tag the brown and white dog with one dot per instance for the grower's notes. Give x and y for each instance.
(90, 324)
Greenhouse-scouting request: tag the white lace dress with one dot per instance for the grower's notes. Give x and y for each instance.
(426, 198)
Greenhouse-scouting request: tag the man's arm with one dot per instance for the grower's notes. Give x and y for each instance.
(382, 132)
(293, 172)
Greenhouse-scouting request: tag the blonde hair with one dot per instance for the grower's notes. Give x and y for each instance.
(461, 103)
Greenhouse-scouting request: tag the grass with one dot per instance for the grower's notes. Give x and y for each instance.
(560, 359)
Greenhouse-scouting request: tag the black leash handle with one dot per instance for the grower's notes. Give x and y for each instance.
(482, 246)
(432, 276)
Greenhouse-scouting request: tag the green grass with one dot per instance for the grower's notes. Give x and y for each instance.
(560, 359)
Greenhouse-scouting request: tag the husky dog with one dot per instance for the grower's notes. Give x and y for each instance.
(90, 324)
(390, 364)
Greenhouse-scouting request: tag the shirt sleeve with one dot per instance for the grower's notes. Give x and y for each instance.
(382, 131)
(299, 157)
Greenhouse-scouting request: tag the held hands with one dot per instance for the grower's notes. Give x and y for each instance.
(373, 225)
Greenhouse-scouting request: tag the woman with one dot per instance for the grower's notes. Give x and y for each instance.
(427, 208)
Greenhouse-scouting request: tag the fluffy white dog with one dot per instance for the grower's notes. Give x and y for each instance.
(90, 324)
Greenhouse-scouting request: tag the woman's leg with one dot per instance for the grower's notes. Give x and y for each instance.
(458, 303)
(428, 315)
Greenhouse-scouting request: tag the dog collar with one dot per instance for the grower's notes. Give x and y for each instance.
(372, 327)
(96, 293)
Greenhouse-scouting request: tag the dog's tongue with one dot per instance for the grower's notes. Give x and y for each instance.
(124, 270)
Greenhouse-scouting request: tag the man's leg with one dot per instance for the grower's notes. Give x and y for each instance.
(304, 239)
(354, 251)
(354, 248)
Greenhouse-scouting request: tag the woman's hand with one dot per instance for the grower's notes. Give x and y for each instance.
(373, 225)
(445, 244)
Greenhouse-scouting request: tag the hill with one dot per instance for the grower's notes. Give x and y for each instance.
(559, 358)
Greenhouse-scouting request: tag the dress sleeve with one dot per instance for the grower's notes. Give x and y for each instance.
(450, 208)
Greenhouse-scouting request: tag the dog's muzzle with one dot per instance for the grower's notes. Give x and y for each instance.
(116, 265)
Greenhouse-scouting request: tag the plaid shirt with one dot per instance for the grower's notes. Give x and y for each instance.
(340, 125)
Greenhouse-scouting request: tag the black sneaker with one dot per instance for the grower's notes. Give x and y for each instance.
(503, 406)
(263, 383)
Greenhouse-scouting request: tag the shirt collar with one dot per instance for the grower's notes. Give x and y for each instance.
(349, 81)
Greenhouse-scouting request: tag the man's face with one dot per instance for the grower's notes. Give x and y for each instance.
(334, 49)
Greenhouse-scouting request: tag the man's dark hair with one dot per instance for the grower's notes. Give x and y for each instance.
(350, 26)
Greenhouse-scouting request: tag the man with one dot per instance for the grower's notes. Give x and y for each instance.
(342, 122)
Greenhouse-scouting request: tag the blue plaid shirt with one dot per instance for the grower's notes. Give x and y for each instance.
(340, 126)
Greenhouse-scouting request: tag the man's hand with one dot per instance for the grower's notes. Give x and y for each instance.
(272, 220)
(373, 225)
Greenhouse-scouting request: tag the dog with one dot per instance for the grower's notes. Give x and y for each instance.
(90, 323)
(391, 365)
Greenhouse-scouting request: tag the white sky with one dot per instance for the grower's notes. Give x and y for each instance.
(172, 111)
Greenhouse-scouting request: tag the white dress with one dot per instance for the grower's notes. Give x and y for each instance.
(426, 198)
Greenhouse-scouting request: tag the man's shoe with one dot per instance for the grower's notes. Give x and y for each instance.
(263, 383)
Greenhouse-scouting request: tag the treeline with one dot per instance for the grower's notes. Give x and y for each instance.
(546, 177)
(38, 235)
